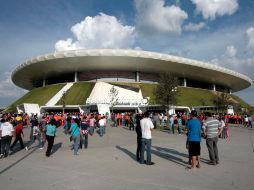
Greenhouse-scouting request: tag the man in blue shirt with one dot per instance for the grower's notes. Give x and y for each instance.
(193, 129)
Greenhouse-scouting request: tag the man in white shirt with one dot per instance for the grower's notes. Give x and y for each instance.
(146, 128)
(102, 124)
(6, 132)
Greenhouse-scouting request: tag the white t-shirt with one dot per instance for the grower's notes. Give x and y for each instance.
(36, 130)
(222, 124)
(102, 122)
(7, 129)
(146, 126)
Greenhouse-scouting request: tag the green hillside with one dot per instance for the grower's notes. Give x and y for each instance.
(77, 94)
(38, 96)
(80, 91)
(195, 97)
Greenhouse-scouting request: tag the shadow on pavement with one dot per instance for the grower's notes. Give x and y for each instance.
(15, 150)
(56, 147)
(129, 153)
(171, 151)
(15, 163)
(169, 154)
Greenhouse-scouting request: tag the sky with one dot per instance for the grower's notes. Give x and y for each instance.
(219, 32)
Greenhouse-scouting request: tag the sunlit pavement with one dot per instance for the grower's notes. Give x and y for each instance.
(110, 163)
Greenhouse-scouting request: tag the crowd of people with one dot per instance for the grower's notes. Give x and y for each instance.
(80, 126)
(43, 128)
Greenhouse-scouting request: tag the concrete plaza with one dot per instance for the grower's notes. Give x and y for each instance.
(109, 163)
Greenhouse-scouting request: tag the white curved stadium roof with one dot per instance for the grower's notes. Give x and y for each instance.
(44, 66)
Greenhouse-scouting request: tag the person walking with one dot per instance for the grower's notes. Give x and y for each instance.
(131, 122)
(50, 135)
(250, 121)
(102, 125)
(171, 124)
(84, 132)
(19, 132)
(42, 128)
(146, 128)
(179, 124)
(212, 129)
(223, 128)
(75, 132)
(36, 136)
(6, 132)
(193, 129)
(91, 124)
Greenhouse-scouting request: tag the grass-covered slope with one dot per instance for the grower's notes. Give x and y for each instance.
(77, 94)
(37, 96)
(195, 97)
(187, 96)
(80, 91)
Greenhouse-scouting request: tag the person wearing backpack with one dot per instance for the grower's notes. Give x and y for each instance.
(84, 132)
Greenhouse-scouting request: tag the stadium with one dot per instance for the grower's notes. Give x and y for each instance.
(130, 72)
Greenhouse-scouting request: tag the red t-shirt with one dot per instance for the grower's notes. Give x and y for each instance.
(19, 129)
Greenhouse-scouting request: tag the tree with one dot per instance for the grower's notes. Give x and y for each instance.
(166, 92)
(222, 100)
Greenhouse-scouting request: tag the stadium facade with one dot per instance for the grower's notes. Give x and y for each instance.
(123, 65)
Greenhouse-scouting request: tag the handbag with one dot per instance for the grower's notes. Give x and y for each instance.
(72, 134)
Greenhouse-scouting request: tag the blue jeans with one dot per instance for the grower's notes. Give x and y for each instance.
(102, 130)
(91, 130)
(173, 128)
(146, 143)
(76, 141)
(83, 141)
(36, 137)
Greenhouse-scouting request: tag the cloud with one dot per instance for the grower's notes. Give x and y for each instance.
(154, 16)
(63, 45)
(210, 9)
(101, 31)
(232, 60)
(250, 37)
(231, 51)
(8, 89)
(194, 27)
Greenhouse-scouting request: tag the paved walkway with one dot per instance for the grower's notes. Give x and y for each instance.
(109, 163)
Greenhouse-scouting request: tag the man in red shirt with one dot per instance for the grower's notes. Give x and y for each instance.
(19, 132)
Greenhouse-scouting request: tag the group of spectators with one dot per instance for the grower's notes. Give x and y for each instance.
(12, 126)
(79, 126)
(210, 128)
(205, 125)
(44, 128)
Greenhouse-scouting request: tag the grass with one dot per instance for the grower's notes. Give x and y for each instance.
(37, 96)
(195, 97)
(77, 94)
(80, 91)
